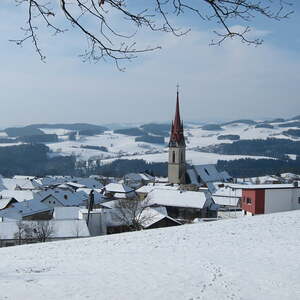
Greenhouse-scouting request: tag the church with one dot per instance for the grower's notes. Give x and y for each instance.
(178, 170)
(176, 163)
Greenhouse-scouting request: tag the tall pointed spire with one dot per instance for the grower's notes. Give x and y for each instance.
(177, 121)
(177, 137)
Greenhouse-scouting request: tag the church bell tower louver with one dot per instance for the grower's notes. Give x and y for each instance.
(176, 163)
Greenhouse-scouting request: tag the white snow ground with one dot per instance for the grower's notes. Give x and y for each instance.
(246, 258)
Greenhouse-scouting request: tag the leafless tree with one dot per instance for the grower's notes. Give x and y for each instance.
(95, 20)
(24, 232)
(42, 230)
(132, 213)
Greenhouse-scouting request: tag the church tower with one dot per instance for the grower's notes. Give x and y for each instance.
(176, 164)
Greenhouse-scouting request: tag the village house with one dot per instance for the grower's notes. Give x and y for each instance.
(136, 180)
(118, 219)
(118, 191)
(183, 205)
(270, 198)
(227, 197)
(12, 233)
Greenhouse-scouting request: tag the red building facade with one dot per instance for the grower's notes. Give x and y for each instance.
(253, 201)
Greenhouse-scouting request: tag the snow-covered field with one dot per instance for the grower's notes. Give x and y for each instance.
(245, 258)
(193, 157)
(124, 146)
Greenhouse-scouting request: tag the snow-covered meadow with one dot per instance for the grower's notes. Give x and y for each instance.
(124, 146)
(245, 258)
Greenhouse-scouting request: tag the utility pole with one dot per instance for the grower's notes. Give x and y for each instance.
(90, 205)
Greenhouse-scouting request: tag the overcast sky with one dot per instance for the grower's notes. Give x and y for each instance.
(216, 83)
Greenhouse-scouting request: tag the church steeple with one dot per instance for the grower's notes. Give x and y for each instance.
(176, 164)
(177, 137)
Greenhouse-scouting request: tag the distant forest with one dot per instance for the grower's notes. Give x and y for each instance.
(121, 167)
(243, 168)
(270, 147)
(34, 159)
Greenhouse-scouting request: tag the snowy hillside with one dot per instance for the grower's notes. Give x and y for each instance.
(124, 146)
(247, 258)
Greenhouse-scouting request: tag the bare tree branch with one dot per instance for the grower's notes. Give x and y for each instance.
(106, 42)
(131, 213)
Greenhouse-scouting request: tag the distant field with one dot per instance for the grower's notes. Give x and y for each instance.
(125, 144)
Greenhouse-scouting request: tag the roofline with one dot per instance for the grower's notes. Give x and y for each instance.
(271, 188)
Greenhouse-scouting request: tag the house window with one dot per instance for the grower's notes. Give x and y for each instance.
(66, 197)
(298, 200)
(173, 157)
(249, 201)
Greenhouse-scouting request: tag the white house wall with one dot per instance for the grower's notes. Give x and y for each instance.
(296, 199)
(277, 200)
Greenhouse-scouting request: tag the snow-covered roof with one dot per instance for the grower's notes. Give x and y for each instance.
(268, 186)
(75, 185)
(208, 173)
(57, 180)
(161, 179)
(227, 191)
(150, 187)
(23, 209)
(15, 183)
(4, 202)
(89, 182)
(225, 175)
(145, 189)
(66, 213)
(65, 197)
(289, 175)
(118, 188)
(121, 195)
(227, 201)
(138, 177)
(24, 177)
(193, 176)
(177, 198)
(152, 215)
(18, 195)
(109, 204)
